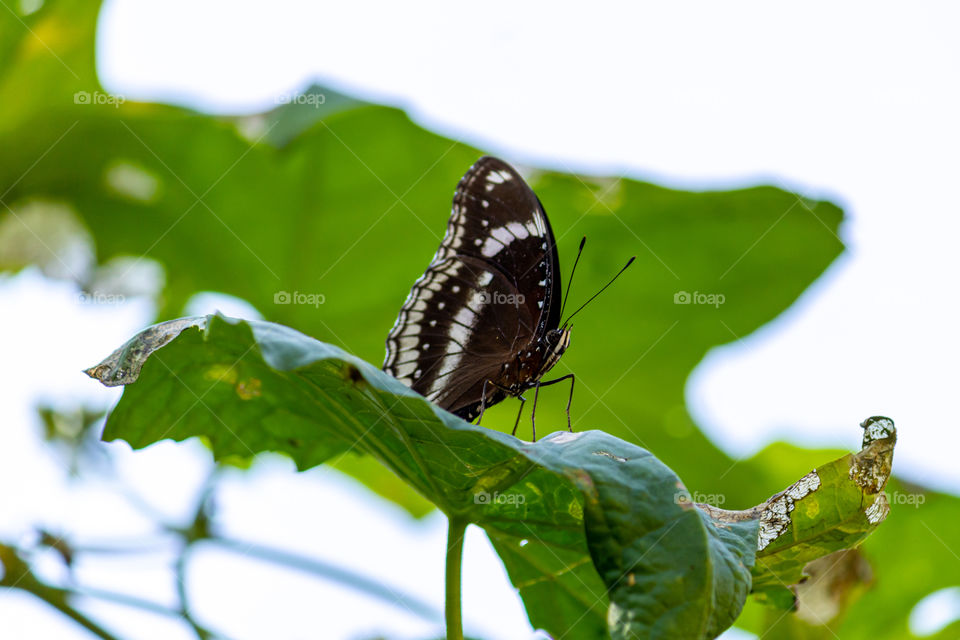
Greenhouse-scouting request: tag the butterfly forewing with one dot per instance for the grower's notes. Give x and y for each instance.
(492, 290)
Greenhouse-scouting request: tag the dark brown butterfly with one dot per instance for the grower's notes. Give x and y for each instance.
(483, 322)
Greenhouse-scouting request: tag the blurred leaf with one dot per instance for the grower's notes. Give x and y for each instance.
(46, 57)
(297, 113)
(912, 555)
(830, 584)
(74, 434)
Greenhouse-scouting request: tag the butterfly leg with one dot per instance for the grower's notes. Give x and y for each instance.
(483, 400)
(569, 399)
(533, 411)
(517, 421)
(483, 397)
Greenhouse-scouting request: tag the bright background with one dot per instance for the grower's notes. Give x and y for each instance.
(856, 103)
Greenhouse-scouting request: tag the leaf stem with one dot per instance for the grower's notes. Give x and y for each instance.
(456, 529)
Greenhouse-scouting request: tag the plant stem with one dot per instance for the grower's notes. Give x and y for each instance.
(456, 529)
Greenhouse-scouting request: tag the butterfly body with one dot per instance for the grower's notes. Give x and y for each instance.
(483, 322)
(525, 372)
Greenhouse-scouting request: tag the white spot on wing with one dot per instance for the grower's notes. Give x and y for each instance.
(405, 369)
(491, 247)
(498, 177)
(539, 223)
(450, 363)
(465, 316)
(408, 343)
(459, 333)
(503, 235)
(519, 230)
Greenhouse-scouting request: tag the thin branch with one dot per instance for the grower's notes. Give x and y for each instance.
(331, 572)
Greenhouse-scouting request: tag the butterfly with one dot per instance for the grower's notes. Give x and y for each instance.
(483, 322)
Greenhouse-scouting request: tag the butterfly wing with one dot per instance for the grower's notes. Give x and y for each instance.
(491, 290)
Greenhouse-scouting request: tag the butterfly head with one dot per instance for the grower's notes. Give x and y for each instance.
(556, 342)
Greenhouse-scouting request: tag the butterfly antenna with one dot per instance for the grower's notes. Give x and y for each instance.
(629, 262)
(566, 296)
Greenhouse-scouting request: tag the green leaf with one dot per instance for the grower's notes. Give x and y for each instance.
(222, 213)
(593, 530)
(807, 562)
(833, 507)
(46, 57)
(310, 197)
(577, 517)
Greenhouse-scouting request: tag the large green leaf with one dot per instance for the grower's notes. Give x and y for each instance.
(594, 531)
(550, 506)
(349, 200)
(46, 58)
(324, 215)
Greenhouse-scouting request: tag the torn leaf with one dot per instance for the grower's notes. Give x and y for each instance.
(832, 508)
(123, 365)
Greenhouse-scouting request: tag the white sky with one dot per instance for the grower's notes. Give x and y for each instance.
(855, 102)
